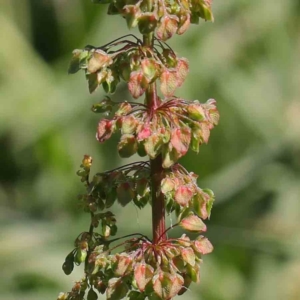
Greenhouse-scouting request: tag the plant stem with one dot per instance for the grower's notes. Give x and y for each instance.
(158, 201)
(158, 204)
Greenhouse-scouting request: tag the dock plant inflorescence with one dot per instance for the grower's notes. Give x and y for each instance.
(163, 128)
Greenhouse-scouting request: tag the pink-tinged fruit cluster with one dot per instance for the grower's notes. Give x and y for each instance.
(164, 17)
(183, 195)
(170, 129)
(143, 270)
(131, 183)
(137, 65)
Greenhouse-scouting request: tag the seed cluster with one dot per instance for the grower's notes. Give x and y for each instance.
(164, 17)
(132, 62)
(170, 129)
(143, 270)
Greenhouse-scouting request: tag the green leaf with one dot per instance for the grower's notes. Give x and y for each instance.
(92, 295)
(68, 265)
(113, 230)
(141, 150)
(125, 193)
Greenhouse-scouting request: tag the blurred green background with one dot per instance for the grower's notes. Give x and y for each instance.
(249, 60)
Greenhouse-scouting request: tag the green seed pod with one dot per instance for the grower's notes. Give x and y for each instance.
(80, 256)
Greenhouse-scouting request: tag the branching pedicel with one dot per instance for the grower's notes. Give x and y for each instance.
(135, 267)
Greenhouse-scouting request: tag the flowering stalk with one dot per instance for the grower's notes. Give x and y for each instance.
(162, 128)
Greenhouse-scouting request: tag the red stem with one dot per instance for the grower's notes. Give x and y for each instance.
(158, 203)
